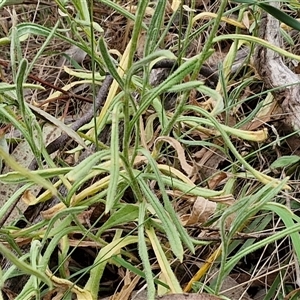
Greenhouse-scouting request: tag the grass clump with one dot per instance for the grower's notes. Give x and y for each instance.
(179, 180)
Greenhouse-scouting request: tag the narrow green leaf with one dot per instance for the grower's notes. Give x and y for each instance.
(115, 160)
(135, 270)
(285, 161)
(287, 217)
(83, 10)
(19, 87)
(122, 11)
(155, 27)
(167, 223)
(143, 252)
(34, 177)
(69, 131)
(176, 77)
(111, 66)
(17, 177)
(254, 39)
(163, 262)
(185, 187)
(125, 214)
(27, 269)
(280, 15)
(84, 167)
(137, 29)
(5, 87)
(269, 240)
(245, 1)
(100, 262)
(167, 203)
(42, 48)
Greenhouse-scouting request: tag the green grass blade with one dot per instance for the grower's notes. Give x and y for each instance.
(27, 269)
(115, 160)
(100, 262)
(163, 262)
(167, 223)
(143, 252)
(167, 203)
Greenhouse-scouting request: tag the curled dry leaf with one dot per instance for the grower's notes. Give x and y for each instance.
(28, 197)
(202, 210)
(216, 180)
(51, 212)
(127, 289)
(83, 244)
(66, 285)
(175, 5)
(180, 152)
(210, 160)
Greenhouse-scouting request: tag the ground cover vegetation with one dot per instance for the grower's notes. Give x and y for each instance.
(149, 148)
